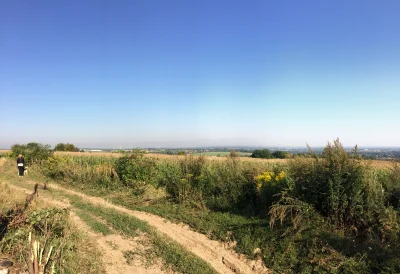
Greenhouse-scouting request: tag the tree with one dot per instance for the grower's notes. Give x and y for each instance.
(65, 147)
(32, 152)
(261, 153)
(71, 147)
(280, 154)
(59, 147)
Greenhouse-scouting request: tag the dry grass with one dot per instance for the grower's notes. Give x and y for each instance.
(94, 154)
(163, 156)
(380, 163)
(9, 198)
(373, 163)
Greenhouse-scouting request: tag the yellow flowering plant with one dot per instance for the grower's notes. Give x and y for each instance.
(268, 184)
(269, 177)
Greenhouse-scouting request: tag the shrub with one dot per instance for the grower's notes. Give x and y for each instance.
(135, 169)
(32, 152)
(335, 206)
(334, 185)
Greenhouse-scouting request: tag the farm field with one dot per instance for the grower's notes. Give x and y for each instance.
(222, 153)
(105, 155)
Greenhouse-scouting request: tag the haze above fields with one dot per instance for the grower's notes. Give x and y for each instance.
(199, 73)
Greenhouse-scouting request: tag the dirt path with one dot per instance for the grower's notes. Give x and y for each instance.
(223, 260)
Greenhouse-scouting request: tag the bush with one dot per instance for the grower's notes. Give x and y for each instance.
(390, 180)
(135, 169)
(32, 152)
(335, 207)
(334, 185)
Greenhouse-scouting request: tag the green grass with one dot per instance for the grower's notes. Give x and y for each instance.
(247, 232)
(93, 223)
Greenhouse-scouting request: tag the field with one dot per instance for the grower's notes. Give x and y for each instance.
(209, 156)
(264, 211)
(222, 153)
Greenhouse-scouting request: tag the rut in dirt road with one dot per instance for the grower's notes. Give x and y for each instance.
(223, 260)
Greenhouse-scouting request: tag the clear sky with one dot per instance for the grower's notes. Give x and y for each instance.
(200, 73)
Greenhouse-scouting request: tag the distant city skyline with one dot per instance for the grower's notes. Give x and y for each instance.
(200, 73)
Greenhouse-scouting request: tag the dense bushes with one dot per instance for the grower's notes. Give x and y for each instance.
(340, 210)
(98, 172)
(32, 152)
(135, 169)
(228, 185)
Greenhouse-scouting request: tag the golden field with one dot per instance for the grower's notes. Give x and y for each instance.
(373, 163)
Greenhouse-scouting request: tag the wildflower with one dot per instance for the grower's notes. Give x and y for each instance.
(280, 176)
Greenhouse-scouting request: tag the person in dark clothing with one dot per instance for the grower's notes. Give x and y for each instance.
(20, 165)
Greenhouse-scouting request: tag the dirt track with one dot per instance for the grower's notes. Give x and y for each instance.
(222, 259)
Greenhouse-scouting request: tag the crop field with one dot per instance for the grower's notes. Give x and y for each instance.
(209, 156)
(222, 153)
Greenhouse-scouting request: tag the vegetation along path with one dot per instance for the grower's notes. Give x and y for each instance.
(214, 253)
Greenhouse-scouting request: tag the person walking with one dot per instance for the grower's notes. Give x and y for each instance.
(20, 165)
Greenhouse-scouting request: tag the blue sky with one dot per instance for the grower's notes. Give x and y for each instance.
(199, 73)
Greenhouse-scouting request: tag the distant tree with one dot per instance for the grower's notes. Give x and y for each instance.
(65, 147)
(59, 147)
(280, 154)
(181, 153)
(234, 153)
(261, 153)
(71, 147)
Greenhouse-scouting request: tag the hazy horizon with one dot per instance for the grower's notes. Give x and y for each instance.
(200, 73)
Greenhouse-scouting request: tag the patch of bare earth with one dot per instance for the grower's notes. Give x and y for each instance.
(222, 258)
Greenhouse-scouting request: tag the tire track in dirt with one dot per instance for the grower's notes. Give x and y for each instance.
(223, 260)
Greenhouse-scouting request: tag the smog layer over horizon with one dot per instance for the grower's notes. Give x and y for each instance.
(200, 73)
